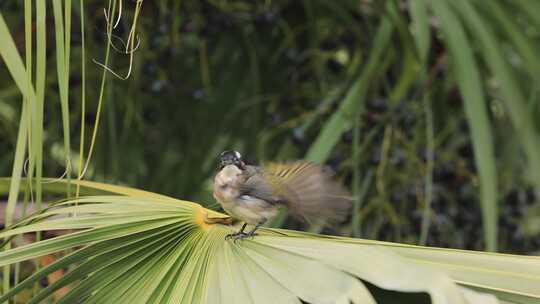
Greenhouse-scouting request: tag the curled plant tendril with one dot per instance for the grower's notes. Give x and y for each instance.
(127, 51)
(132, 43)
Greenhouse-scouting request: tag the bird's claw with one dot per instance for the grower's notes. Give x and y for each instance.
(240, 236)
(235, 235)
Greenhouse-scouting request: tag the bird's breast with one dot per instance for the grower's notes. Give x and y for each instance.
(250, 209)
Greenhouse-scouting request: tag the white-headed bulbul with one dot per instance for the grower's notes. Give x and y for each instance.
(254, 194)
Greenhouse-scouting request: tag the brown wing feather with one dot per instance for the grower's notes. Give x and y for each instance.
(309, 191)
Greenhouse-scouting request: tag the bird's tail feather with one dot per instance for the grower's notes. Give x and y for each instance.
(311, 192)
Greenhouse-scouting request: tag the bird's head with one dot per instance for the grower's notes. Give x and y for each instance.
(231, 158)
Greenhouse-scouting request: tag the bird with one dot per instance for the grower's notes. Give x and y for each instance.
(255, 194)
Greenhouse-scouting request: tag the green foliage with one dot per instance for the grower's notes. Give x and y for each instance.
(140, 247)
(427, 110)
(209, 64)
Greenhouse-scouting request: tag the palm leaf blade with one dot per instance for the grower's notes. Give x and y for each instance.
(174, 257)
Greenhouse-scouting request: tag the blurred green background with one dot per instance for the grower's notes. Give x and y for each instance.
(429, 114)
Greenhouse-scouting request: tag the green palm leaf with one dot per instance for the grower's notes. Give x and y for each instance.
(154, 249)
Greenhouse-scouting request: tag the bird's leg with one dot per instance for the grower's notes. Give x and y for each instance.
(242, 229)
(252, 232)
(237, 234)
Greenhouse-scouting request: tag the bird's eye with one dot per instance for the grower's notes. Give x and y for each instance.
(223, 187)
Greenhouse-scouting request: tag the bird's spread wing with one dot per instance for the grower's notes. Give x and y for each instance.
(264, 186)
(306, 188)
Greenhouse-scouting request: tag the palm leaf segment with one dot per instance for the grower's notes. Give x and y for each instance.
(153, 249)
